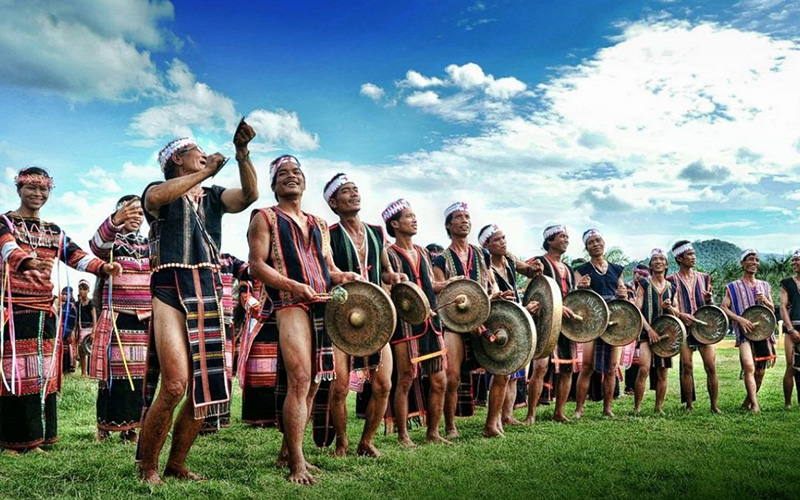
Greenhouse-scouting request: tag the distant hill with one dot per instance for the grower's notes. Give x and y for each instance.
(712, 254)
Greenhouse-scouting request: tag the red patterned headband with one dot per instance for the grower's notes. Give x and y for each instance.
(34, 180)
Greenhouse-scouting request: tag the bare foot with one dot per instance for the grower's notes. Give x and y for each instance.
(715, 409)
(367, 450)
(578, 414)
(690, 409)
(10, 452)
(150, 476)
(406, 442)
(301, 476)
(558, 417)
(282, 462)
(340, 451)
(511, 422)
(36, 451)
(659, 412)
(787, 406)
(637, 411)
(182, 474)
(491, 432)
(436, 439)
(530, 420)
(100, 436)
(755, 408)
(609, 414)
(452, 434)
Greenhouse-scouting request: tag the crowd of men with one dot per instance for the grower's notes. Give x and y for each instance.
(167, 316)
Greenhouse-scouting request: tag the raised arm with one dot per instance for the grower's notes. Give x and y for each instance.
(164, 193)
(237, 199)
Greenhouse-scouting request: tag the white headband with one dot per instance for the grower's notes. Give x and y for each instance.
(657, 251)
(178, 144)
(337, 182)
(682, 249)
(553, 230)
(589, 233)
(459, 206)
(394, 208)
(483, 237)
(747, 252)
(276, 164)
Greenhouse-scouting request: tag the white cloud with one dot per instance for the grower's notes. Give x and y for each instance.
(725, 225)
(372, 91)
(84, 49)
(454, 108)
(416, 80)
(188, 105)
(281, 129)
(99, 179)
(471, 76)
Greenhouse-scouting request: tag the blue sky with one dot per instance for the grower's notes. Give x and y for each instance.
(652, 121)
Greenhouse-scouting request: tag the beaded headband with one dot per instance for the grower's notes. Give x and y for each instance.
(175, 146)
(486, 234)
(553, 230)
(337, 182)
(682, 249)
(394, 208)
(589, 233)
(459, 206)
(747, 253)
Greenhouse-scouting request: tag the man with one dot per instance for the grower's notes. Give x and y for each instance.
(606, 279)
(29, 247)
(434, 249)
(654, 298)
(693, 290)
(564, 357)
(463, 260)
(290, 254)
(417, 349)
(505, 267)
(358, 247)
(790, 314)
(186, 289)
(118, 360)
(755, 356)
(87, 319)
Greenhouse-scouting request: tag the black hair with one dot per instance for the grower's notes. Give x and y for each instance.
(389, 228)
(170, 169)
(126, 198)
(447, 221)
(548, 240)
(434, 248)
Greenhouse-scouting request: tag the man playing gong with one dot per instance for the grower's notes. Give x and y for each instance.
(790, 314)
(290, 254)
(564, 357)
(505, 266)
(755, 355)
(693, 290)
(605, 278)
(417, 348)
(462, 260)
(653, 297)
(358, 247)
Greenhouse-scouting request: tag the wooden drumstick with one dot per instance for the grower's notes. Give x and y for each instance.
(460, 299)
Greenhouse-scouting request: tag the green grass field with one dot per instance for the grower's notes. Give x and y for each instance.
(698, 455)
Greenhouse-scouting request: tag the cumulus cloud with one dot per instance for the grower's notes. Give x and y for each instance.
(281, 129)
(99, 179)
(83, 50)
(415, 80)
(372, 91)
(187, 105)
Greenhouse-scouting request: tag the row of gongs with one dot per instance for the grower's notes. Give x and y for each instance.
(362, 317)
